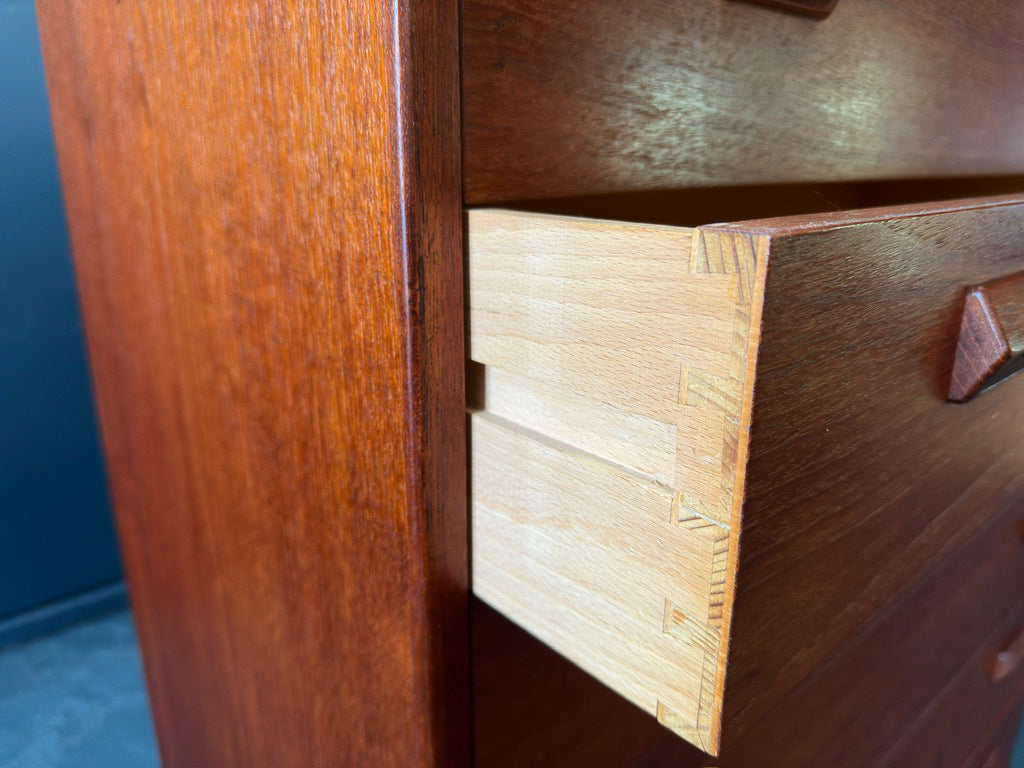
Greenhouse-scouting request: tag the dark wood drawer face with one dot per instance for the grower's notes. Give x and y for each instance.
(970, 706)
(596, 96)
(996, 749)
(862, 476)
(918, 686)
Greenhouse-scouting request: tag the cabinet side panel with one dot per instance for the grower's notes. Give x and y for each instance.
(265, 211)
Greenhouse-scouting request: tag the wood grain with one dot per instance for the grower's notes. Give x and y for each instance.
(696, 206)
(265, 210)
(926, 663)
(599, 96)
(607, 466)
(991, 338)
(969, 721)
(861, 475)
(997, 748)
(551, 713)
(820, 8)
(875, 510)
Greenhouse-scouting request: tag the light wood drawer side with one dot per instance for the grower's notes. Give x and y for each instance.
(608, 451)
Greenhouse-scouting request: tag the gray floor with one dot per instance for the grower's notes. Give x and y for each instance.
(76, 699)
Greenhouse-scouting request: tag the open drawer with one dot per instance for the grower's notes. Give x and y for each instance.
(674, 425)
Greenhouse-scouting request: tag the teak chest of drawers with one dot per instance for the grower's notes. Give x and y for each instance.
(748, 494)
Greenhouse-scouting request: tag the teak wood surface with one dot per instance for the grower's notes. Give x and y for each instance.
(991, 338)
(881, 479)
(265, 206)
(597, 96)
(880, 531)
(997, 748)
(264, 201)
(812, 7)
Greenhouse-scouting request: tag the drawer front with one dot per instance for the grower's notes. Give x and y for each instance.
(862, 475)
(919, 687)
(628, 372)
(956, 733)
(996, 750)
(595, 96)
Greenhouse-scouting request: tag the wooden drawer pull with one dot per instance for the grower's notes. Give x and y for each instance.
(1009, 659)
(810, 7)
(991, 336)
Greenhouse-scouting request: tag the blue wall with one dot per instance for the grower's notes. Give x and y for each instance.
(56, 535)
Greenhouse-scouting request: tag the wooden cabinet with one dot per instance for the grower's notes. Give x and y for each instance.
(716, 466)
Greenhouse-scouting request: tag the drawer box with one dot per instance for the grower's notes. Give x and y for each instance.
(607, 462)
(620, 456)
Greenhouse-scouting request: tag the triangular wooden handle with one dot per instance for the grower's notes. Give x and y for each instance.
(991, 339)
